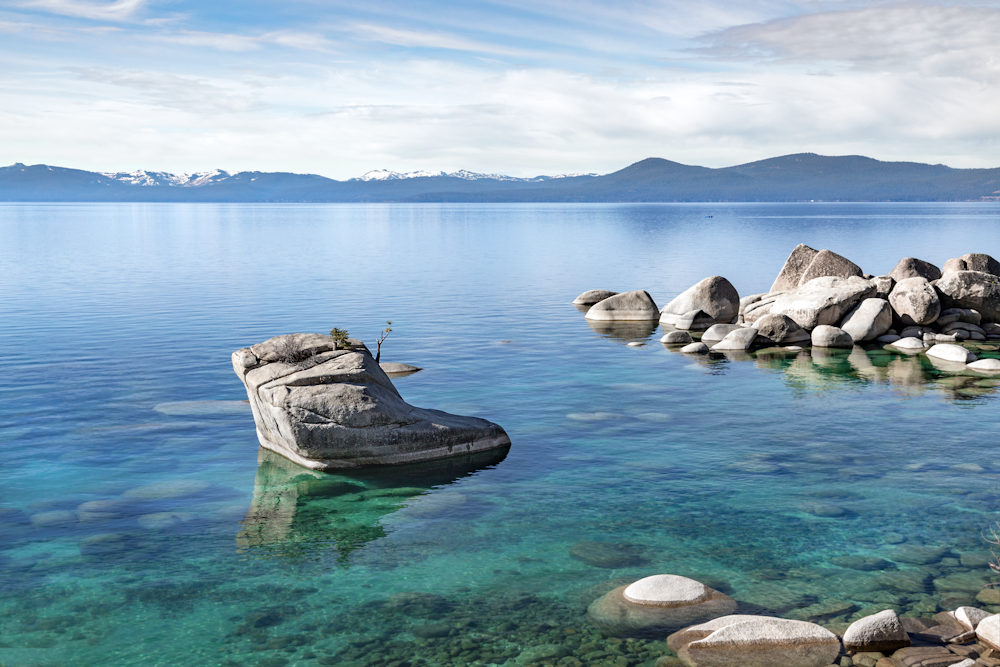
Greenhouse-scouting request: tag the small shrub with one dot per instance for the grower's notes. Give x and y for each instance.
(339, 338)
(290, 353)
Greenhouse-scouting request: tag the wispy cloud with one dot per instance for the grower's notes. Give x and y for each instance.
(237, 42)
(118, 10)
(432, 40)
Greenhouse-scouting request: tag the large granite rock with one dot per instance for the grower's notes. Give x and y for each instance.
(970, 617)
(827, 263)
(738, 339)
(779, 330)
(822, 300)
(868, 320)
(977, 290)
(915, 301)
(883, 286)
(794, 268)
(972, 262)
(759, 308)
(714, 296)
(763, 642)
(327, 408)
(827, 336)
(988, 632)
(911, 267)
(627, 306)
(590, 297)
(657, 605)
(880, 632)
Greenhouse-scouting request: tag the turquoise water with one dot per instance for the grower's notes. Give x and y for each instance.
(139, 525)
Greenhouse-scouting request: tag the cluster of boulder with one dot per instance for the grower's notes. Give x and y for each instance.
(823, 299)
(704, 632)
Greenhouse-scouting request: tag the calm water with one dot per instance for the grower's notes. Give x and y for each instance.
(139, 525)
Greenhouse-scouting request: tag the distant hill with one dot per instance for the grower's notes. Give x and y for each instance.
(801, 177)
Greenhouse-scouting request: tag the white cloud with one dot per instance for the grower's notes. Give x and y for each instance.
(118, 10)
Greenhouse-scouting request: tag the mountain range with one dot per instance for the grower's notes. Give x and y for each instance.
(800, 177)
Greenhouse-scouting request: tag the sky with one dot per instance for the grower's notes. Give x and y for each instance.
(512, 86)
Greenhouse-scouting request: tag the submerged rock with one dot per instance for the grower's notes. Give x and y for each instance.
(717, 332)
(715, 296)
(627, 306)
(590, 297)
(328, 408)
(606, 554)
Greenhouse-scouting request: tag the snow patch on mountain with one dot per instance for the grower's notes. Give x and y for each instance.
(144, 178)
(386, 175)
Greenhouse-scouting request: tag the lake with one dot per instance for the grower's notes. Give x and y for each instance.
(140, 525)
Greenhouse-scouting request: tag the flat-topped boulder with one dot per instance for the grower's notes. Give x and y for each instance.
(590, 297)
(976, 290)
(715, 296)
(627, 306)
(763, 642)
(327, 407)
(657, 605)
(822, 300)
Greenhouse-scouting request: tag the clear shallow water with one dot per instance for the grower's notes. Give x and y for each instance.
(140, 527)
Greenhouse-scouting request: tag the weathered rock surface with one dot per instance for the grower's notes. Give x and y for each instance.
(794, 268)
(879, 632)
(911, 267)
(590, 297)
(972, 262)
(763, 642)
(738, 339)
(779, 330)
(327, 408)
(627, 306)
(714, 296)
(915, 301)
(676, 338)
(868, 320)
(970, 617)
(695, 632)
(394, 368)
(977, 290)
(717, 332)
(759, 308)
(830, 264)
(822, 301)
(827, 336)
(951, 352)
(883, 286)
(988, 632)
(658, 604)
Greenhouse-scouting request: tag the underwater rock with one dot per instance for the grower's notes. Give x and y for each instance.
(590, 297)
(879, 632)
(54, 519)
(540, 653)
(659, 604)
(917, 554)
(763, 642)
(715, 296)
(627, 306)
(606, 554)
(862, 563)
(327, 408)
(179, 488)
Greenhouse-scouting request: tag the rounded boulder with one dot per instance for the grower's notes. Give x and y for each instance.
(590, 297)
(882, 632)
(915, 301)
(827, 336)
(714, 296)
(763, 642)
(656, 605)
(951, 352)
(627, 306)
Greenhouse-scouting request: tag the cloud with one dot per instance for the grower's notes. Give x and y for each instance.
(118, 10)
(933, 40)
(412, 38)
(236, 42)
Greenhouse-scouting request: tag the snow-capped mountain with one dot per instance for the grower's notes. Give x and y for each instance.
(386, 175)
(153, 178)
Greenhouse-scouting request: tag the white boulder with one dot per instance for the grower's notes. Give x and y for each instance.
(868, 320)
(970, 617)
(763, 642)
(880, 632)
(738, 339)
(988, 631)
(822, 301)
(986, 365)
(827, 336)
(951, 352)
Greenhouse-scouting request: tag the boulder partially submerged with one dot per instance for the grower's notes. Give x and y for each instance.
(714, 296)
(627, 306)
(748, 641)
(330, 408)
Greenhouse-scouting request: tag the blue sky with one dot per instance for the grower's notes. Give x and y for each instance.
(518, 87)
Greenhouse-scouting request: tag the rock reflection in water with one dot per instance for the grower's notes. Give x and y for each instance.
(302, 514)
(624, 331)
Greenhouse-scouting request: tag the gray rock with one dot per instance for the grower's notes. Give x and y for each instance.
(988, 632)
(970, 617)
(717, 332)
(714, 296)
(657, 605)
(888, 338)
(396, 369)
(676, 338)
(972, 262)
(590, 297)
(883, 286)
(695, 348)
(760, 308)
(950, 315)
(327, 408)
(915, 301)
(822, 301)
(627, 306)
(695, 320)
(827, 336)
(830, 264)
(880, 632)
(763, 642)
(976, 290)
(794, 268)
(911, 267)
(951, 352)
(868, 320)
(738, 339)
(779, 329)
(748, 301)
(917, 554)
